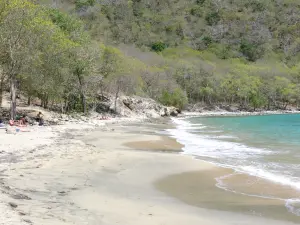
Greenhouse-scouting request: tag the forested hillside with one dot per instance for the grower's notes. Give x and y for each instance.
(69, 52)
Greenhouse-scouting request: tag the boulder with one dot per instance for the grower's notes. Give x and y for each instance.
(128, 103)
(173, 111)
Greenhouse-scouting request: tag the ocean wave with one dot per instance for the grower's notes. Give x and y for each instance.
(239, 157)
(292, 205)
(200, 145)
(276, 178)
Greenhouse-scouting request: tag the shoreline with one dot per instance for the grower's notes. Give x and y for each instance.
(284, 193)
(240, 113)
(84, 174)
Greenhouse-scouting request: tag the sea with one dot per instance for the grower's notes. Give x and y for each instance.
(261, 148)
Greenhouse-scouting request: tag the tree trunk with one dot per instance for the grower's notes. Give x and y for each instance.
(82, 95)
(83, 100)
(116, 97)
(13, 97)
(29, 100)
(45, 101)
(1, 91)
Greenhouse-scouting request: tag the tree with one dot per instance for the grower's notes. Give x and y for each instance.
(285, 90)
(175, 98)
(17, 37)
(3, 80)
(85, 62)
(33, 47)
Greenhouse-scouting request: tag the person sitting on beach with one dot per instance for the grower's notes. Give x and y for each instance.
(40, 119)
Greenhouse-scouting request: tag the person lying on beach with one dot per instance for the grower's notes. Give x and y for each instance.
(104, 118)
(23, 120)
(19, 123)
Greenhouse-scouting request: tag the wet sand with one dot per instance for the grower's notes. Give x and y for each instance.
(198, 188)
(119, 175)
(252, 185)
(165, 144)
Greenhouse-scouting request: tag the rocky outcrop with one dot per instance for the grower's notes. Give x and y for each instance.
(135, 106)
(125, 106)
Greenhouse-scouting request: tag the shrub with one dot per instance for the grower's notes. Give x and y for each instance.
(257, 101)
(212, 18)
(64, 21)
(200, 2)
(251, 51)
(159, 46)
(176, 98)
(197, 11)
(257, 6)
(84, 3)
(207, 41)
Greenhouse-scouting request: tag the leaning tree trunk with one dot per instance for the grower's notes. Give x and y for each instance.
(13, 97)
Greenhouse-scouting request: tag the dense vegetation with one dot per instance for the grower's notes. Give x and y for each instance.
(67, 53)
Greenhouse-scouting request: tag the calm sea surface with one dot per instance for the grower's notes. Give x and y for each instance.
(266, 147)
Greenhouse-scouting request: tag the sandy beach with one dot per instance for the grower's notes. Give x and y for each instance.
(117, 173)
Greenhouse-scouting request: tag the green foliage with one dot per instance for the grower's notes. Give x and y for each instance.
(84, 3)
(184, 23)
(65, 21)
(158, 46)
(212, 18)
(175, 98)
(200, 2)
(197, 11)
(256, 5)
(257, 100)
(251, 51)
(210, 51)
(207, 40)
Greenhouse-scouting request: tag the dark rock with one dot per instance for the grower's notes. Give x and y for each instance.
(128, 103)
(173, 112)
(13, 205)
(231, 108)
(21, 196)
(27, 221)
(22, 213)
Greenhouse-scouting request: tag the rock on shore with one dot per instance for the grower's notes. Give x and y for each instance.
(129, 106)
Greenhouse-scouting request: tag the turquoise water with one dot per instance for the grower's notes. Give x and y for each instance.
(270, 131)
(267, 147)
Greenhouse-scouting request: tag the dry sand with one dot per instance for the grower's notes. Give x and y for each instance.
(66, 177)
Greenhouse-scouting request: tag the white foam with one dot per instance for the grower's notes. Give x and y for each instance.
(277, 178)
(209, 147)
(224, 137)
(220, 184)
(192, 128)
(293, 206)
(241, 158)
